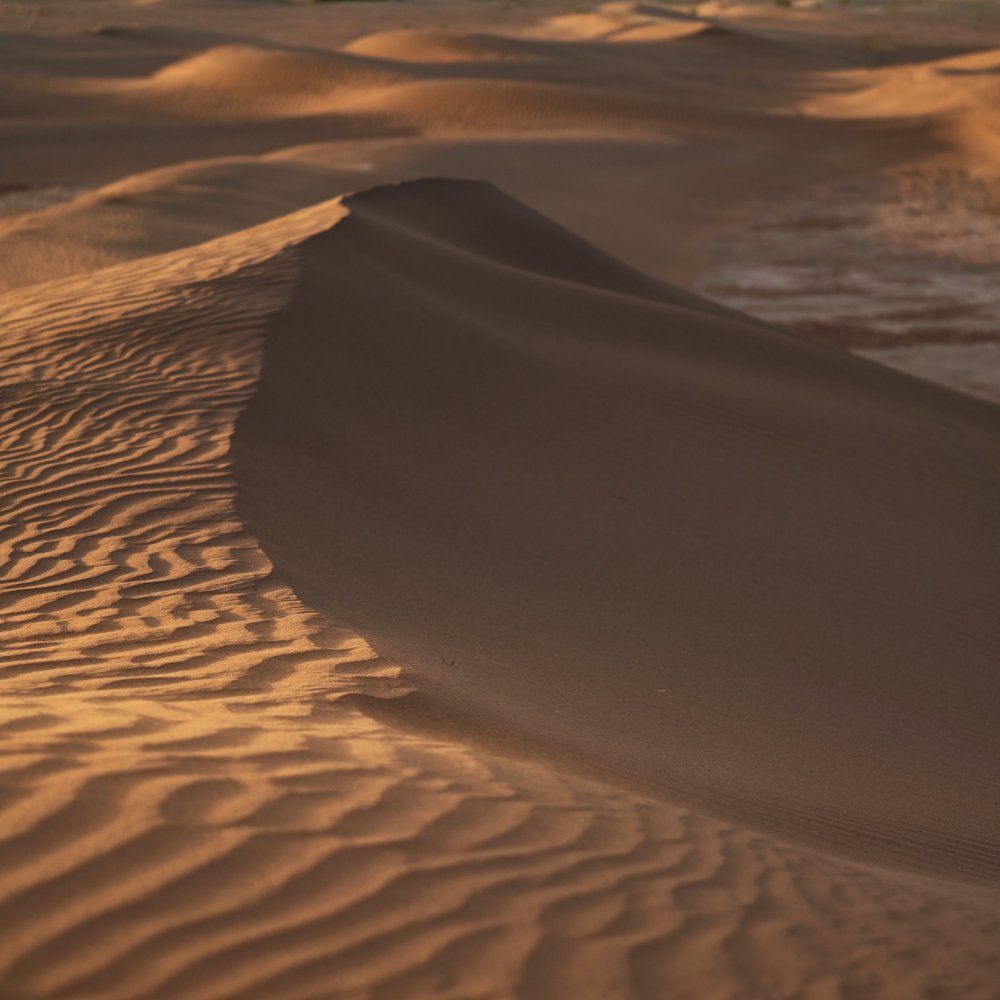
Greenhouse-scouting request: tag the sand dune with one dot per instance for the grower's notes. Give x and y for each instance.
(404, 597)
(247, 80)
(438, 47)
(631, 545)
(195, 806)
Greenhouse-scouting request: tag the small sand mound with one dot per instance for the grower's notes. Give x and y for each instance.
(248, 79)
(960, 95)
(437, 47)
(918, 90)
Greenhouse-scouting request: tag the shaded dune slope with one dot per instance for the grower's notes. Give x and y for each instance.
(588, 510)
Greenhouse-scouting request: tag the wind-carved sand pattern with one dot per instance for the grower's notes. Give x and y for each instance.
(190, 811)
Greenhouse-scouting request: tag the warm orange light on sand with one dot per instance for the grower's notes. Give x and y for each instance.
(404, 597)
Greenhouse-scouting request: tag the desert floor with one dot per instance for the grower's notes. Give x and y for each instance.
(500, 500)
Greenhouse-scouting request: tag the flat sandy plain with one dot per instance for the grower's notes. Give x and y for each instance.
(466, 533)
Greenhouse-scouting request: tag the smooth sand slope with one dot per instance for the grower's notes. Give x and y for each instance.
(592, 510)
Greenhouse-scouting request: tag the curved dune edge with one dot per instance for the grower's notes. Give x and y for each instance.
(596, 513)
(191, 812)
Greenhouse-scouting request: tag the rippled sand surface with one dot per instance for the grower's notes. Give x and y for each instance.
(417, 592)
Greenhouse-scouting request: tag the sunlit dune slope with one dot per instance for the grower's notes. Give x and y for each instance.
(592, 511)
(234, 80)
